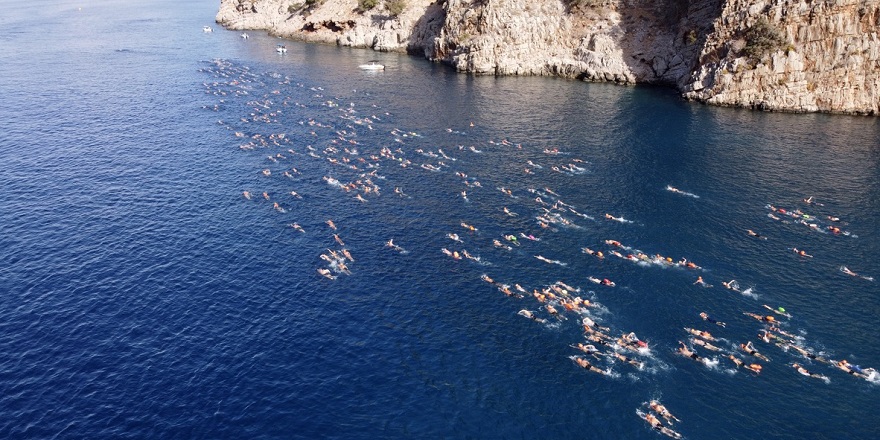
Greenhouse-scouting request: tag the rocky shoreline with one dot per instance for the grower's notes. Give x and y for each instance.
(779, 55)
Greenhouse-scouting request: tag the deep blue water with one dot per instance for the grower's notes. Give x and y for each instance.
(144, 297)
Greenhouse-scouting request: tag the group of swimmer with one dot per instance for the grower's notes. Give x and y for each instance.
(356, 174)
(770, 333)
(655, 412)
(337, 260)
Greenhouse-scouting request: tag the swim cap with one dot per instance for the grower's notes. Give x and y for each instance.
(781, 310)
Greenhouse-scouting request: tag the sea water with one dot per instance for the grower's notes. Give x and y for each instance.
(145, 296)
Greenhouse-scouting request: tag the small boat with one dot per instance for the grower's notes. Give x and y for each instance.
(207, 29)
(372, 65)
(244, 36)
(281, 48)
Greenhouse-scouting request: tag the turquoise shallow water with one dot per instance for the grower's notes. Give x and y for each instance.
(144, 296)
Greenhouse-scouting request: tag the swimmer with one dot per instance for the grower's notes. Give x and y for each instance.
(486, 278)
(750, 349)
(607, 282)
(630, 340)
(782, 332)
(509, 212)
(246, 194)
(660, 409)
(801, 252)
(704, 344)
(297, 227)
(754, 368)
(588, 366)
(265, 195)
(454, 237)
(588, 349)
(599, 338)
(800, 369)
(685, 351)
(755, 234)
(806, 353)
(628, 360)
(468, 227)
(709, 319)
(331, 224)
(348, 255)
(737, 361)
(778, 310)
(530, 315)
(849, 368)
(658, 426)
(731, 285)
(597, 254)
(498, 244)
(338, 240)
(701, 282)
(587, 322)
(846, 270)
(529, 237)
(766, 336)
(700, 333)
(468, 255)
(761, 318)
(809, 201)
(326, 273)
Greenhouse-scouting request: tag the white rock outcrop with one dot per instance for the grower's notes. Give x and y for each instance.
(828, 59)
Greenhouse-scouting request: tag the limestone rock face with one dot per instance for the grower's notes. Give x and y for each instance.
(337, 21)
(827, 56)
(830, 61)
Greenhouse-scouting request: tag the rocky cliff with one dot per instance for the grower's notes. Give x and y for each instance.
(788, 55)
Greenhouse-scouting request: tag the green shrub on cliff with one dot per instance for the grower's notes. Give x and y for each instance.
(366, 5)
(395, 7)
(762, 38)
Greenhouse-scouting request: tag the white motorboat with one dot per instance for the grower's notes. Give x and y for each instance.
(207, 29)
(372, 65)
(281, 48)
(244, 36)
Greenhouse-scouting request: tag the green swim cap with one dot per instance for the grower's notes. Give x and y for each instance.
(781, 309)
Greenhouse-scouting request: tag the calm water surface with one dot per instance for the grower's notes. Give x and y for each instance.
(144, 297)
